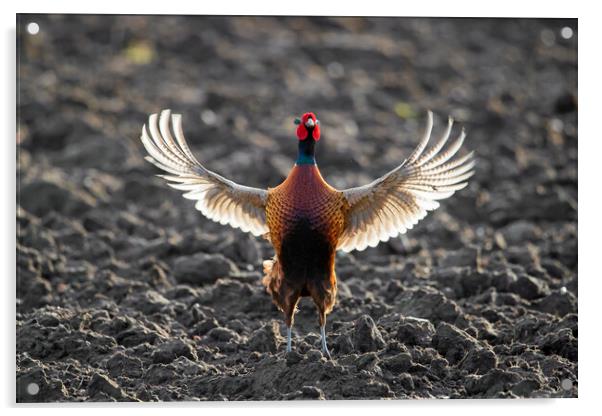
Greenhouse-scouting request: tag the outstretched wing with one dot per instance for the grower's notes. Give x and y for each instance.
(218, 198)
(395, 202)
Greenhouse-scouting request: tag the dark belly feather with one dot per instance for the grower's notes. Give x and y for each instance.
(306, 255)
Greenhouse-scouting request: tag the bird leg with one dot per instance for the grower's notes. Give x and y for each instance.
(288, 339)
(324, 346)
(322, 316)
(290, 305)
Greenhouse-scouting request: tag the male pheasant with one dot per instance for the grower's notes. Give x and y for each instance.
(305, 218)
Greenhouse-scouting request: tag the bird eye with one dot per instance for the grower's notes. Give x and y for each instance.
(317, 121)
(297, 120)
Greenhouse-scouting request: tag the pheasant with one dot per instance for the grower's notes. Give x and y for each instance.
(305, 219)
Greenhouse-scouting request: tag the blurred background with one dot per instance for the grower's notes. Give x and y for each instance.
(96, 228)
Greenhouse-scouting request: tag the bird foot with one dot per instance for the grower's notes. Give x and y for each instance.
(326, 353)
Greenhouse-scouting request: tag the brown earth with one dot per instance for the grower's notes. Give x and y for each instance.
(125, 292)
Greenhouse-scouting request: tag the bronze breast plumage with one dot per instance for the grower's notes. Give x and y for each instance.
(305, 197)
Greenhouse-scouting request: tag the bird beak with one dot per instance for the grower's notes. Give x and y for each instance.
(310, 122)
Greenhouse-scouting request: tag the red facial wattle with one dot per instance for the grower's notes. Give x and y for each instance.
(316, 133)
(302, 129)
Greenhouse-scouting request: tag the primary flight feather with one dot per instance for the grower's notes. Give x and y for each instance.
(305, 218)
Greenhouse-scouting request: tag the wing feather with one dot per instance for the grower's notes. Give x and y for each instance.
(218, 198)
(398, 200)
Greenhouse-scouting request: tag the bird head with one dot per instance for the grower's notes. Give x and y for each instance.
(308, 126)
